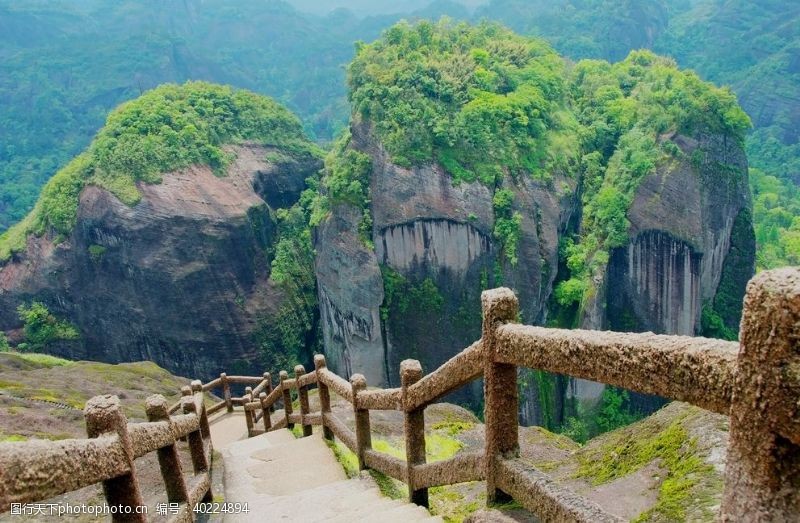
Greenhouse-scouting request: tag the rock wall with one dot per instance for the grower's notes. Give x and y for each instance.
(181, 279)
(655, 284)
(436, 237)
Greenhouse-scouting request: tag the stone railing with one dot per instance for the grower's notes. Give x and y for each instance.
(755, 382)
(33, 471)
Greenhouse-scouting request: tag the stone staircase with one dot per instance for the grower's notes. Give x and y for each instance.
(282, 478)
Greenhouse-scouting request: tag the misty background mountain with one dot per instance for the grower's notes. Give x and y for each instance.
(65, 64)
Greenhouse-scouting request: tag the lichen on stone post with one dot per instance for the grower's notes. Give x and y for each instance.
(501, 402)
(414, 429)
(226, 392)
(104, 415)
(248, 414)
(268, 379)
(287, 399)
(168, 459)
(324, 395)
(265, 412)
(302, 392)
(195, 438)
(197, 391)
(762, 475)
(363, 434)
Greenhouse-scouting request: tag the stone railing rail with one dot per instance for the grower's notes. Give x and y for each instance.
(755, 381)
(33, 471)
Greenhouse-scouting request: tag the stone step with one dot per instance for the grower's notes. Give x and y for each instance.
(283, 478)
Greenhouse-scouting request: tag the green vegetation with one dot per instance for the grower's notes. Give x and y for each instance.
(290, 336)
(688, 475)
(4, 345)
(401, 295)
(776, 213)
(41, 360)
(42, 328)
(163, 130)
(628, 111)
(477, 99)
(507, 224)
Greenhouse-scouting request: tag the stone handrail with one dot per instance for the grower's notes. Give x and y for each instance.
(756, 382)
(33, 471)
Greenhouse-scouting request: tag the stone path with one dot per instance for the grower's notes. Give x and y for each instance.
(282, 478)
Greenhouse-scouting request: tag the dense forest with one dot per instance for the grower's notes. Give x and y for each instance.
(64, 65)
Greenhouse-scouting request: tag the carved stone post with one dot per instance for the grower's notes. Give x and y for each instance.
(762, 475)
(196, 447)
(324, 395)
(226, 392)
(248, 414)
(168, 458)
(265, 412)
(499, 388)
(302, 393)
(268, 389)
(287, 399)
(103, 415)
(363, 434)
(410, 373)
(197, 390)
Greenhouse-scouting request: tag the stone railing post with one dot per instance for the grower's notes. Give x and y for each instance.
(195, 438)
(268, 389)
(103, 415)
(499, 387)
(762, 473)
(363, 435)
(265, 412)
(226, 392)
(168, 459)
(248, 414)
(302, 393)
(197, 388)
(186, 390)
(287, 399)
(324, 395)
(414, 427)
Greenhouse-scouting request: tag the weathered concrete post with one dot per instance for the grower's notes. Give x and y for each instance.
(168, 458)
(302, 392)
(414, 427)
(762, 475)
(226, 392)
(287, 399)
(196, 447)
(499, 388)
(363, 434)
(265, 412)
(186, 390)
(197, 390)
(103, 415)
(324, 395)
(248, 414)
(268, 389)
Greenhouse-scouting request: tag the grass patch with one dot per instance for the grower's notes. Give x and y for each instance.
(453, 428)
(450, 504)
(42, 360)
(688, 475)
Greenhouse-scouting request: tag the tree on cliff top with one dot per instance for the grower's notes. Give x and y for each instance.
(168, 128)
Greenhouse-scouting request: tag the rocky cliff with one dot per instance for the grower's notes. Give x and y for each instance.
(632, 215)
(181, 279)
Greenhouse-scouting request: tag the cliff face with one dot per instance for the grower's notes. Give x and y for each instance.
(434, 247)
(682, 231)
(181, 279)
(416, 293)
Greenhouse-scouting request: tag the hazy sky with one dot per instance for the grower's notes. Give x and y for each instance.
(371, 7)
